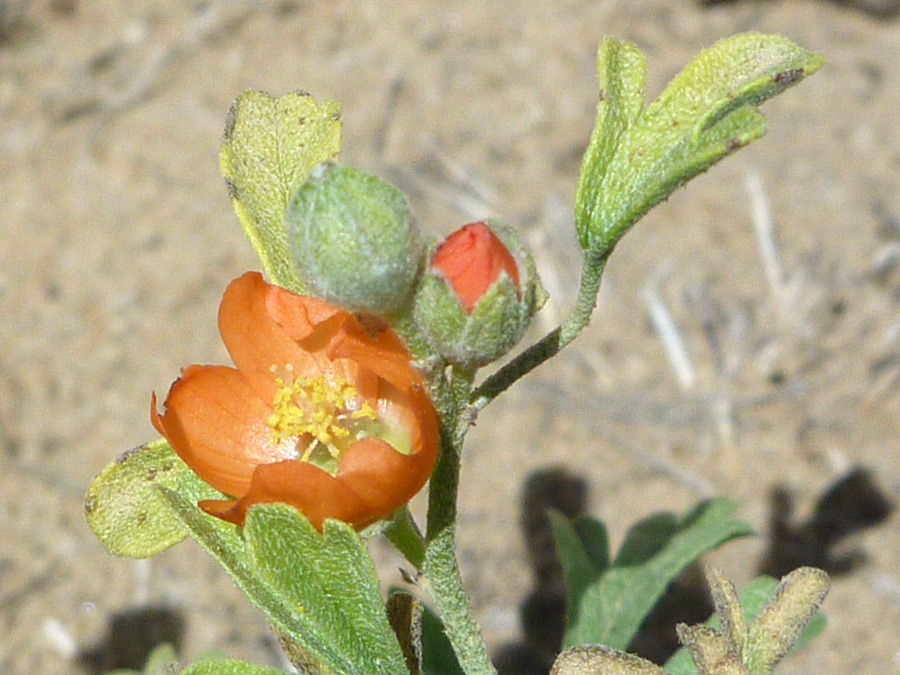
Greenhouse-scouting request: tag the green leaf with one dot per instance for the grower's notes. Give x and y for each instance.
(438, 656)
(583, 547)
(621, 74)
(655, 551)
(161, 661)
(271, 144)
(645, 538)
(403, 532)
(161, 656)
(124, 507)
(706, 112)
(229, 667)
(754, 597)
(223, 542)
(328, 578)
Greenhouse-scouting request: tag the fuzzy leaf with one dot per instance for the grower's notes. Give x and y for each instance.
(271, 144)
(655, 551)
(228, 667)
(710, 650)
(621, 74)
(781, 622)
(329, 579)
(600, 660)
(146, 501)
(223, 542)
(706, 112)
(729, 610)
(754, 597)
(125, 509)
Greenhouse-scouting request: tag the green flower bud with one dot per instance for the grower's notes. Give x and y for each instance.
(478, 295)
(354, 241)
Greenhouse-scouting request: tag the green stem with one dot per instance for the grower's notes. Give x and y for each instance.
(552, 343)
(441, 567)
(458, 406)
(404, 534)
(449, 595)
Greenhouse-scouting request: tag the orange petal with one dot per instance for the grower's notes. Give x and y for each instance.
(426, 435)
(254, 340)
(263, 324)
(224, 509)
(383, 354)
(320, 326)
(302, 485)
(382, 478)
(298, 315)
(373, 480)
(217, 425)
(385, 479)
(314, 324)
(400, 409)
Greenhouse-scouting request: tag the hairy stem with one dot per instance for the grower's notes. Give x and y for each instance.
(404, 534)
(441, 567)
(551, 344)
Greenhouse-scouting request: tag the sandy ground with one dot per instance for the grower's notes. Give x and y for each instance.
(118, 239)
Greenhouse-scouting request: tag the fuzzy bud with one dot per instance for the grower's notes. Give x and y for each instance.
(478, 295)
(354, 241)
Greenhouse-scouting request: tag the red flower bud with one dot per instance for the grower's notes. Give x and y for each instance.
(478, 294)
(472, 260)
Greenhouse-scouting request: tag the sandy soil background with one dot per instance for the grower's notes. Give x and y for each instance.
(118, 239)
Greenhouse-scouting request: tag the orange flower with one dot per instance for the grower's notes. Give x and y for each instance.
(319, 413)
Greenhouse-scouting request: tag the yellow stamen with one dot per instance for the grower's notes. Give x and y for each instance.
(322, 414)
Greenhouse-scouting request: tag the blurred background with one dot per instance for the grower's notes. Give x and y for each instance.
(746, 341)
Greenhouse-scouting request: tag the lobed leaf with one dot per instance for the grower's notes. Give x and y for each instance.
(224, 542)
(271, 145)
(125, 509)
(330, 580)
(621, 75)
(707, 112)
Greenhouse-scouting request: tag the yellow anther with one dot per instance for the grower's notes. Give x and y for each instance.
(320, 414)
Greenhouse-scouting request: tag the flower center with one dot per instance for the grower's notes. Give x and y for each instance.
(323, 417)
